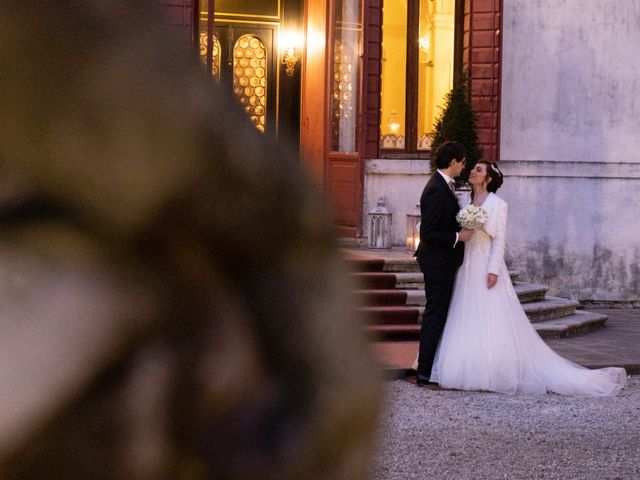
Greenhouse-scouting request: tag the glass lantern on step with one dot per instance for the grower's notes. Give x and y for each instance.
(380, 226)
(413, 229)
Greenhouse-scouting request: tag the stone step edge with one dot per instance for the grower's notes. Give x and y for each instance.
(415, 296)
(527, 292)
(579, 322)
(401, 265)
(416, 278)
(410, 265)
(398, 315)
(550, 308)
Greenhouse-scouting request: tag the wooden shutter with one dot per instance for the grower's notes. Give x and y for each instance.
(482, 57)
(372, 78)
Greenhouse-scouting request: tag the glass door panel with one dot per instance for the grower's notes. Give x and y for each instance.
(347, 40)
(394, 74)
(418, 39)
(435, 64)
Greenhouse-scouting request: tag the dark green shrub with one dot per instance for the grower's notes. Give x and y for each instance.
(457, 121)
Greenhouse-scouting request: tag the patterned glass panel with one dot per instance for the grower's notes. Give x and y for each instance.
(250, 78)
(345, 66)
(215, 67)
(343, 103)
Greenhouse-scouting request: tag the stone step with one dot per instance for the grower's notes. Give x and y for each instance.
(372, 298)
(409, 280)
(527, 292)
(415, 280)
(550, 308)
(409, 264)
(578, 322)
(374, 280)
(391, 295)
(363, 264)
(352, 243)
(394, 332)
(390, 315)
(530, 292)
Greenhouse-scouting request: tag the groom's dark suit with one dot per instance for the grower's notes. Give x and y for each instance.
(439, 260)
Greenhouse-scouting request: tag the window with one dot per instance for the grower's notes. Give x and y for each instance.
(417, 70)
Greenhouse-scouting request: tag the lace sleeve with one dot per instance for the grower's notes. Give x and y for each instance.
(496, 228)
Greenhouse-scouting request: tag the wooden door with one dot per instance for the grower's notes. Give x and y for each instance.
(244, 61)
(354, 106)
(340, 101)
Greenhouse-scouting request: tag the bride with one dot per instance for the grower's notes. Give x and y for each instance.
(488, 342)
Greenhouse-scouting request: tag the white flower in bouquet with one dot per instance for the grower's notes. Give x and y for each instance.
(472, 217)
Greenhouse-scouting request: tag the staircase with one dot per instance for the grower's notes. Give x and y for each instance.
(391, 294)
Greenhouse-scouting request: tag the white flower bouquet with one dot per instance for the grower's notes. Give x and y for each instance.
(472, 217)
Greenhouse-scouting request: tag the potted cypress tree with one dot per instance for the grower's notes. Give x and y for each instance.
(457, 121)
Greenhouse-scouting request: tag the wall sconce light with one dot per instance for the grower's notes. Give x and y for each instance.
(424, 43)
(290, 44)
(424, 46)
(394, 124)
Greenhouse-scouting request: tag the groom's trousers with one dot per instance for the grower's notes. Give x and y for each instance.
(438, 288)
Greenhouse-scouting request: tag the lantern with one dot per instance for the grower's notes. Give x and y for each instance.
(380, 226)
(413, 229)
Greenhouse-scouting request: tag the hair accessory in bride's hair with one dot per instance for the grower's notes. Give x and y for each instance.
(494, 167)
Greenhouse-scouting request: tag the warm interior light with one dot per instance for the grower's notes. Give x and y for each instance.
(315, 40)
(424, 44)
(394, 124)
(291, 42)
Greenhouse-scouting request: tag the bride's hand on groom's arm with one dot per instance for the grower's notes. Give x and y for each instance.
(492, 279)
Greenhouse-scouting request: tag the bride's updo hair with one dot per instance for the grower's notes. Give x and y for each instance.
(494, 173)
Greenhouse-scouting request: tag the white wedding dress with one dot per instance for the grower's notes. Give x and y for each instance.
(489, 343)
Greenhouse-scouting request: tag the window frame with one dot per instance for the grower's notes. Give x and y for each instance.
(410, 149)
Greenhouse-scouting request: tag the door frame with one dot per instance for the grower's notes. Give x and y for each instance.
(340, 173)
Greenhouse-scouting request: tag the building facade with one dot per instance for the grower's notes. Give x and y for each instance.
(357, 84)
(570, 124)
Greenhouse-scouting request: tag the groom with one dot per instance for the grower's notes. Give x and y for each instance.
(441, 250)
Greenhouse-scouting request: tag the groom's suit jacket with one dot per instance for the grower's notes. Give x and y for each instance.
(438, 226)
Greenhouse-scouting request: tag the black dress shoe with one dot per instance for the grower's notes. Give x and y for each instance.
(422, 380)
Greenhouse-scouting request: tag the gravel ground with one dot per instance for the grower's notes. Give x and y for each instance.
(426, 434)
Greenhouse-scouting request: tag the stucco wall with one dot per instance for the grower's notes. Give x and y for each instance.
(401, 183)
(569, 144)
